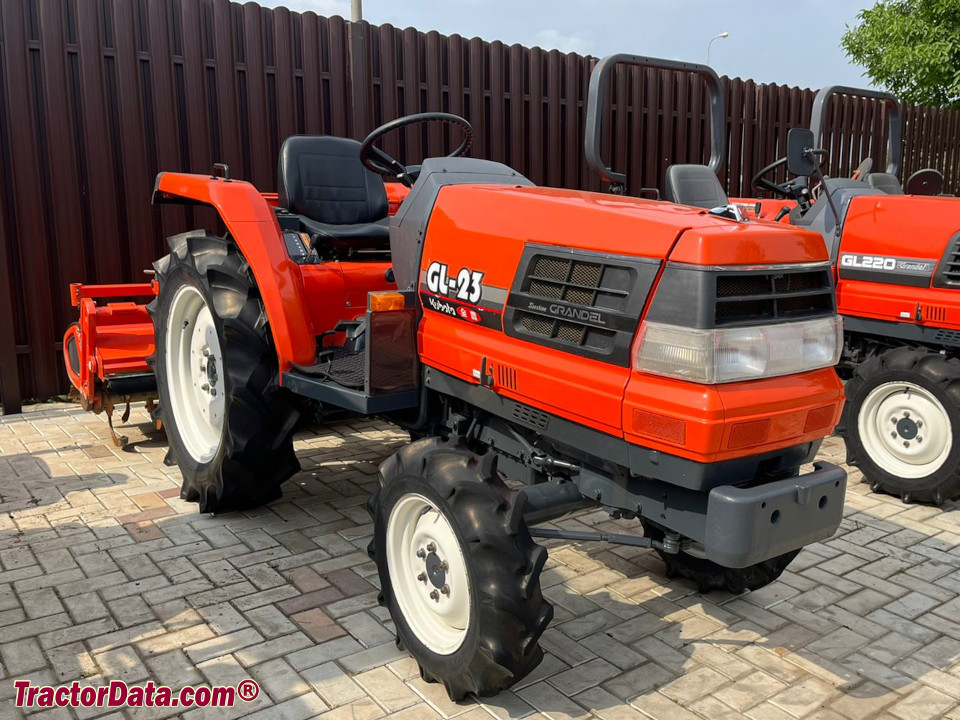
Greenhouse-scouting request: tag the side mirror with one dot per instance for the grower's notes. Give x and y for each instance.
(800, 160)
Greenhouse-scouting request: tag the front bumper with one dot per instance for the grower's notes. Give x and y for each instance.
(748, 525)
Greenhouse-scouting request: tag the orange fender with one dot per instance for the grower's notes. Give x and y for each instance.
(253, 226)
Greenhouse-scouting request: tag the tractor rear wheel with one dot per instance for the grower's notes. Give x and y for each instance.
(229, 423)
(710, 576)
(458, 569)
(900, 424)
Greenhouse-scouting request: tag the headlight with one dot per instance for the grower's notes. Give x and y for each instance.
(729, 354)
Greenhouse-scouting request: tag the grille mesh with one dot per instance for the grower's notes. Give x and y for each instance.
(754, 297)
(538, 325)
(575, 282)
(571, 332)
(730, 285)
(546, 289)
(586, 274)
(579, 297)
(553, 268)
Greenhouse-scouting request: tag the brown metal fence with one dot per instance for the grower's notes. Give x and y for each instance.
(97, 96)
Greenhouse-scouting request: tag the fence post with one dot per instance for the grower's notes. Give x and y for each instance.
(10, 391)
(360, 79)
(9, 373)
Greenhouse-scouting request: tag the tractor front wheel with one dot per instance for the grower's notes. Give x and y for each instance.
(229, 423)
(458, 569)
(900, 424)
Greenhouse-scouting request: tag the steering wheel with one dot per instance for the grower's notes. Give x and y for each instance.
(376, 160)
(865, 166)
(761, 183)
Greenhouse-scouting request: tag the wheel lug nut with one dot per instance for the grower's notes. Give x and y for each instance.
(435, 596)
(445, 590)
(443, 566)
(431, 547)
(906, 414)
(919, 423)
(205, 387)
(906, 444)
(422, 577)
(213, 392)
(919, 439)
(893, 420)
(421, 553)
(893, 435)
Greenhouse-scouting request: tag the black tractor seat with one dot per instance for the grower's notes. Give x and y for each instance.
(884, 181)
(695, 185)
(339, 203)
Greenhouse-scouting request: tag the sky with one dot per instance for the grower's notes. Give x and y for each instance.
(796, 43)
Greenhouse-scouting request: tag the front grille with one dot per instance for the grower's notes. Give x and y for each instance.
(749, 298)
(948, 271)
(577, 282)
(578, 301)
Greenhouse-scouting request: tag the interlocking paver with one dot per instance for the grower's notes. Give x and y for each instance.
(105, 573)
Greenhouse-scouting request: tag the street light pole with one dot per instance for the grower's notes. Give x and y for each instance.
(356, 11)
(722, 36)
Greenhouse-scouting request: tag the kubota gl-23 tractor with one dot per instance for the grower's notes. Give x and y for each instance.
(552, 349)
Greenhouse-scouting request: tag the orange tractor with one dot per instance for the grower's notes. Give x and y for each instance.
(896, 256)
(551, 349)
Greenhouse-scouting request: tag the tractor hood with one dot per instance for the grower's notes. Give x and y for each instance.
(627, 226)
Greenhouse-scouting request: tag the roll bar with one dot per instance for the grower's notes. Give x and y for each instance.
(818, 118)
(596, 101)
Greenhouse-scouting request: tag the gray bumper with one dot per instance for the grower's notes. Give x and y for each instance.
(748, 525)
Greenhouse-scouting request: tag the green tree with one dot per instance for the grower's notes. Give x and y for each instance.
(910, 48)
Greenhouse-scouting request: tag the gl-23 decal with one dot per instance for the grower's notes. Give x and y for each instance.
(466, 286)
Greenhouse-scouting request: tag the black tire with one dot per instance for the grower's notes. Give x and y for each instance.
(710, 576)
(931, 371)
(255, 452)
(507, 610)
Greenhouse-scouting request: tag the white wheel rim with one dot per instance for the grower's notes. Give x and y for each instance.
(905, 429)
(194, 365)
(434, 599)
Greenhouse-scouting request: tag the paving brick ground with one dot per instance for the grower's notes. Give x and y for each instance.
(105, 574)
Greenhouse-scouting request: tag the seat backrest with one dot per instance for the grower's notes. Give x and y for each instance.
(321, 177)
(695, 185)
(884, 181)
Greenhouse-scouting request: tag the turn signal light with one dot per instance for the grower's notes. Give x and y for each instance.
(385, 300)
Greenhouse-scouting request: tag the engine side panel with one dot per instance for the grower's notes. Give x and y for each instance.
(891, 248)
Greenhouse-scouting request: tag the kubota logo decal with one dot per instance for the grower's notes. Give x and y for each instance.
(462, 295)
